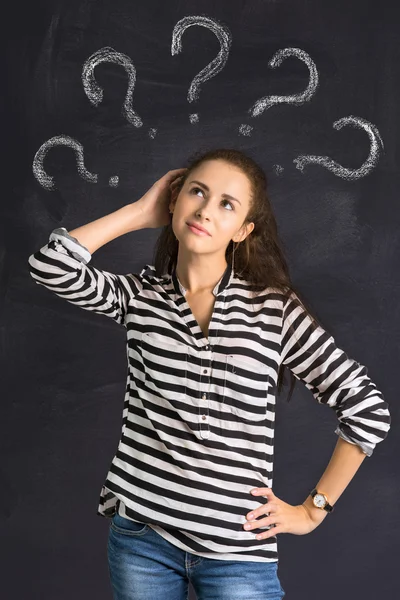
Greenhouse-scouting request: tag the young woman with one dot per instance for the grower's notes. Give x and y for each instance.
(210, 328)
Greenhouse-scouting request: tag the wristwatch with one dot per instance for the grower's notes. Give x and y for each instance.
(320, 500)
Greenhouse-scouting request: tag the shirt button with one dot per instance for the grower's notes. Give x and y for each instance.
(203, 417)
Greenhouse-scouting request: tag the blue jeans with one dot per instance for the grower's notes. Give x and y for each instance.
(145, 566)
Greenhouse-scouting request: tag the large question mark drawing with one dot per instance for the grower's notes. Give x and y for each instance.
(376, 146)
(95, 93)
(46, 180)
(266, 102)
(215, 66)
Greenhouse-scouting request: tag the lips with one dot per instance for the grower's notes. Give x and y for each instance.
(198, 227)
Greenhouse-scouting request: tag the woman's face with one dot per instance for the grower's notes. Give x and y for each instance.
(202, 201)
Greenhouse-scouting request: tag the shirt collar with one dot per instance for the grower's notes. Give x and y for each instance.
(223, 283)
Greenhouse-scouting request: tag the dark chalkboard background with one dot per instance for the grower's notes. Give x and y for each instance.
(333, 94)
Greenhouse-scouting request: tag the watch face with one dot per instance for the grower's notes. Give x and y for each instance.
(319, 500)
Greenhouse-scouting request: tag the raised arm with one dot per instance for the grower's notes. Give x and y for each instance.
(62, 264)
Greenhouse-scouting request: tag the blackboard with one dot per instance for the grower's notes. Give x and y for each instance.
(101, 99)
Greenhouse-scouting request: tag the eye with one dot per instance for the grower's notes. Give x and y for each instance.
(230, 203)
(195, 189)
(224, 200)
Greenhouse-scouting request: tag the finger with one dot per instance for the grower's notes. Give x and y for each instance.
(175, 172)
(269, 521)
(171, 175)
(270, 533)
(261, 491)
(176, 180)
(265, 509)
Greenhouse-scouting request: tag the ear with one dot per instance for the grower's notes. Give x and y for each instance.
(174, 196)
(243, 232)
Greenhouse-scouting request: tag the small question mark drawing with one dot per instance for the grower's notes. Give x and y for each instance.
(376, 146)
(266, 102)
(215, 66)
(46, 180)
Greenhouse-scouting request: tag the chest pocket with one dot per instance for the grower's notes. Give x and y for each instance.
(246, 387)
(165, 365)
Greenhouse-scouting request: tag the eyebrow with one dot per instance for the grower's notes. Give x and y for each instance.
(208, 189)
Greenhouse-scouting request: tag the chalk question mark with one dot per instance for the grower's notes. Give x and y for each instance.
(266, 102)
(215, 66)
(376, 146)
(95, 93)
(46, 180)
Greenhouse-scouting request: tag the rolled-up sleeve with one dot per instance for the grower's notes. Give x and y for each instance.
(333, 378)
(62, 267)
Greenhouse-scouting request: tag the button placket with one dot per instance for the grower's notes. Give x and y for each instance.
(204, 400)
(220, 302)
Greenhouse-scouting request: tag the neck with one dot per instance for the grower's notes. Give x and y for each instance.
(199, 280)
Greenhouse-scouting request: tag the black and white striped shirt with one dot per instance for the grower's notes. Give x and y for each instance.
(198, 415)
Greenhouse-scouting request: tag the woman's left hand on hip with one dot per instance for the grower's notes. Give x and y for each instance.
(283, 517)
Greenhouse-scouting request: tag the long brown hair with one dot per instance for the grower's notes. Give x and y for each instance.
(259, 259)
